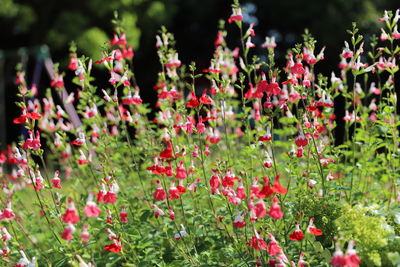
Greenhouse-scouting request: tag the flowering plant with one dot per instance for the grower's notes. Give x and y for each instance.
(243, 172)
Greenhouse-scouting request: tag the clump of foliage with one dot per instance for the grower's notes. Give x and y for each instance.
(370, 231)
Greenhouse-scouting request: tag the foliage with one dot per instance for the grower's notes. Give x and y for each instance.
(239, 172)
(367, 226)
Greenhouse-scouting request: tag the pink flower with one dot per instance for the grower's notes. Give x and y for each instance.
(193, 102)
(338, 259)
(160, 194)
(56, 180)
(7, 213)
(236, 15)
(180, 171)
(273, 248)
(347, 53)
(91, 209)
(157, 211)
(173, 191)
(123, 215)
(277, 187)
(85, 234)
(312, 229)
(257, 242)
(239, 222)
(275, 211)
(70, 215)
(260, 209)
(69, 230)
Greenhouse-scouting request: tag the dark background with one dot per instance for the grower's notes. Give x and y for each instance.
(27, 25)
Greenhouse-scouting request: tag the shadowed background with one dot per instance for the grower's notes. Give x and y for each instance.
(27, 25)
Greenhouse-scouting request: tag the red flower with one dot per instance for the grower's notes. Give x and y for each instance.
(297, 235)
(338, 259)
(167, 153)
(258, 243)
(77, 142)
(160, 194)
(193, 102)
(70, 215)
(215, 181)
(181, 188)
(312, 229)
(266, 137)
(110, 197)
(205, 99)
(56, 180)
(273, 248)
(114, 247)
(236, 15)
(69, 230)
(73, 63)
(239, 222)
(277, 187)
(297, 68)
(266, 191)
(180, 171)
(301, 140)
(7, 213)
(20, 120)
(260, 209)
(173, 191)
(123, 215)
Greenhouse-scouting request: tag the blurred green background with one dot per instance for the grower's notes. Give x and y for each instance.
(32, 23)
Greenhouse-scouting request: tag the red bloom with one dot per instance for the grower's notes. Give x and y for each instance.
(258, 243)
(260, 209)
(180, 171)
(193, 102)
(239, 222)
(266, 137)
(123, 215)
(70, 215)
(312, 229)
(273, 248)
(69, 230)
(240, 191)
(236, 15)
(181, 188)
(73, 63)
(173, 191)
(160, 194)
(167, 153)
(77, 142)
(277, 187)
(205, 99)
(215, 181)
(297, 235)
(301, 141)
(338, 259)
(56, 180)
(266, 191)
(110, 197)
(297, 68)
(7, 213)
(91, 209)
